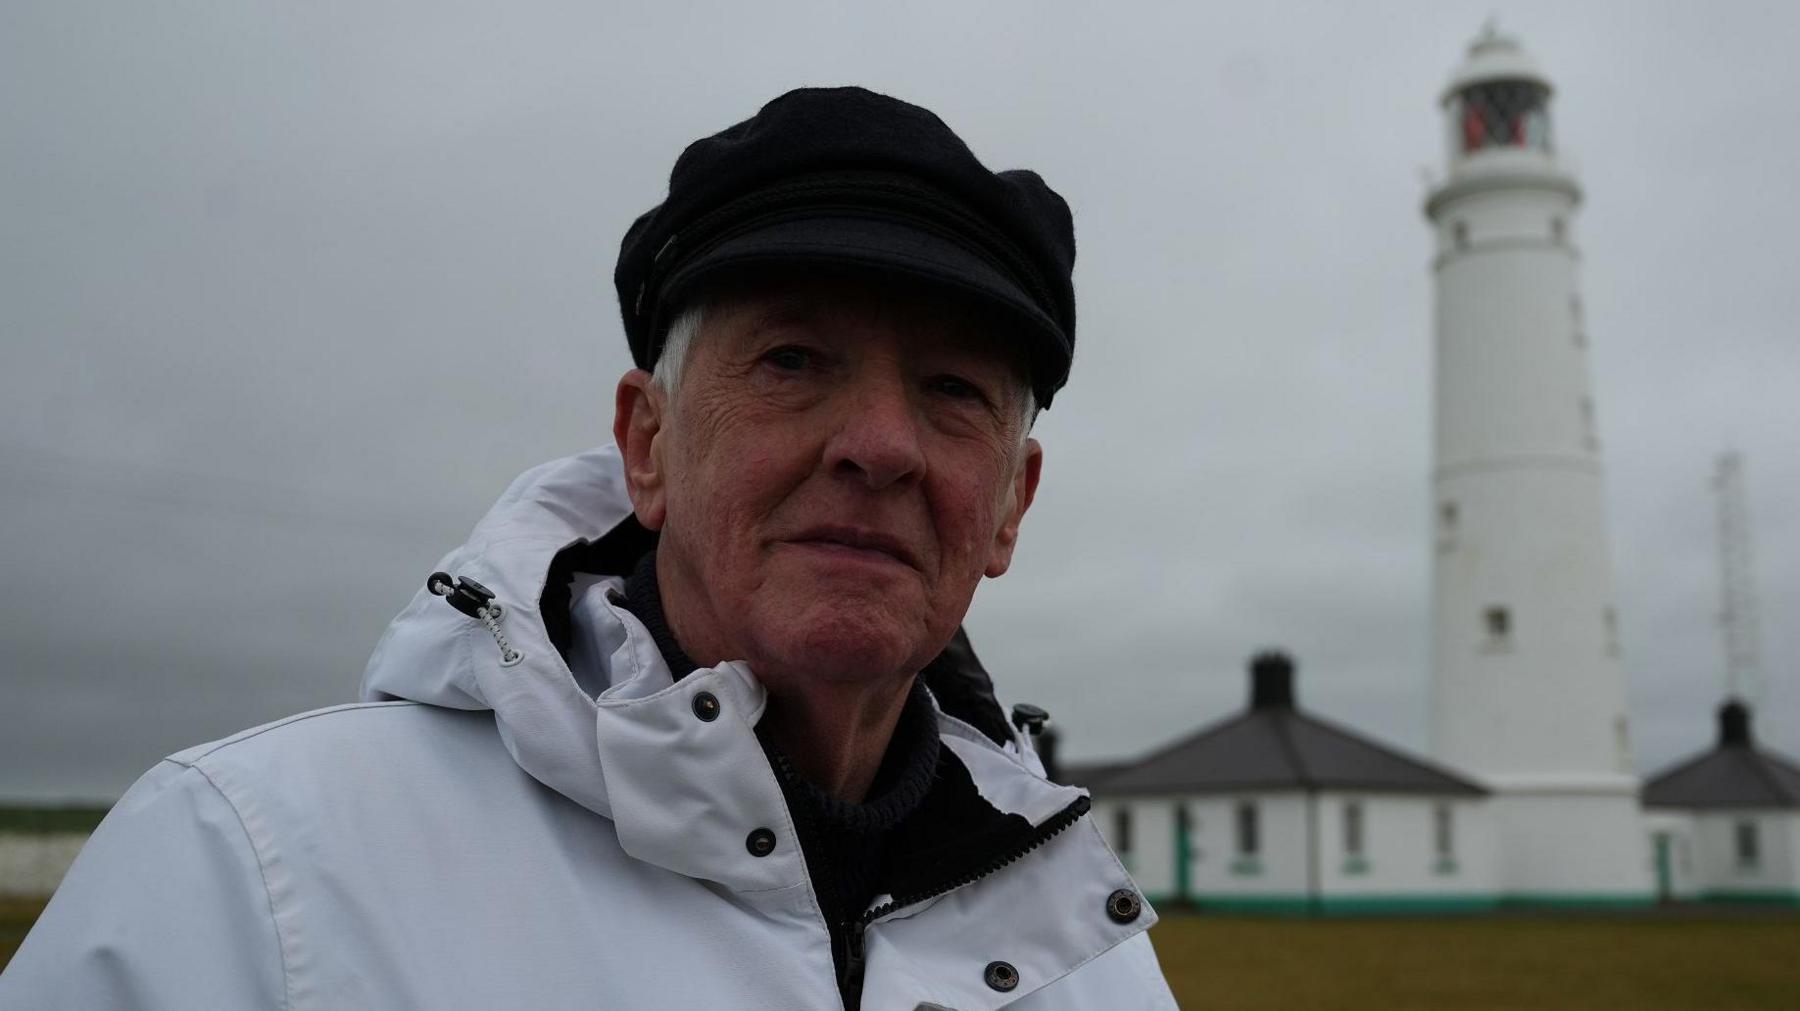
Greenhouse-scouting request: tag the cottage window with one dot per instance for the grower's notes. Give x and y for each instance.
(1749, 846)
(1443, 832)
(1246, 829)
(1353, 829)
(1122, 830)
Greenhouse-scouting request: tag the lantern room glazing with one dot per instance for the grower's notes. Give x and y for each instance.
(1500, 114)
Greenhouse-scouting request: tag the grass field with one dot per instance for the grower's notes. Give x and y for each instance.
(1658, 961)
(1476, 964)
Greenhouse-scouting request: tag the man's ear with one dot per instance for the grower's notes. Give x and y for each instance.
(1024, 489)
(638, 418)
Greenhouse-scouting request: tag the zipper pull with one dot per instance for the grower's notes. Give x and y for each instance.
(853, 961)
(476, 601)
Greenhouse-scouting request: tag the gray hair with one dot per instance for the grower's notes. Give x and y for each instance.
(680, 341)
(677, 343)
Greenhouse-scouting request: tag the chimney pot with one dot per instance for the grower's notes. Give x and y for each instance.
(1271, 680)
(1734, 724)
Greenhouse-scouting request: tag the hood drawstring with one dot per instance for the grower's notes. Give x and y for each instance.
(476, 601)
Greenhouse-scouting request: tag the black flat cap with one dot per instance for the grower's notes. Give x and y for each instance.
(847, 178)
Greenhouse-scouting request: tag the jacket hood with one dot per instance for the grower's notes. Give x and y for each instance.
(435, 654)
(588, 706)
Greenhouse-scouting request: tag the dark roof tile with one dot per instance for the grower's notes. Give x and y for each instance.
(1281, 748)
(1731, 775)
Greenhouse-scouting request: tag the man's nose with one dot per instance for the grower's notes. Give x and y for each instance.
(877, 439)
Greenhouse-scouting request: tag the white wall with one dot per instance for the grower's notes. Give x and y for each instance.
(1215, 867)
(1776, 869)
(1399, 848)
(1280, 863)
(1573, 846)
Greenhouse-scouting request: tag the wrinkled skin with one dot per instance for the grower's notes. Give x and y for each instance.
(843, 462)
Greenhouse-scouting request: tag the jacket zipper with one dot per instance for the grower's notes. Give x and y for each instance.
(476, 601)
(852, 931)
(854, 960)
(853, 938)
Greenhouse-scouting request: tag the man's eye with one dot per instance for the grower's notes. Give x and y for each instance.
(789, 359)
(957, 388)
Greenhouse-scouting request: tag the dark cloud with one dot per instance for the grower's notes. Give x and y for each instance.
(290, 292)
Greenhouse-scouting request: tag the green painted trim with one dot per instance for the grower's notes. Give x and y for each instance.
(1444, 867)
(1578, 900)
(1245, 867)
(1354, 866)
(1754, 897)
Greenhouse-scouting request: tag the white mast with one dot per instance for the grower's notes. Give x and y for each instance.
(1528, 691)
(1737, 588)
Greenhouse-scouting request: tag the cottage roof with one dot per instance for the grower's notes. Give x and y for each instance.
(1273, 745)
(1087, 774)
(1734, 774)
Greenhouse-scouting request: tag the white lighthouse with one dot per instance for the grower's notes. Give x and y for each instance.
(1528, 692)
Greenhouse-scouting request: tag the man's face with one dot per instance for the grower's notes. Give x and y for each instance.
(842, 463)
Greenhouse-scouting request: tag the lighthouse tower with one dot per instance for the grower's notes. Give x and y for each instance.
(1528, 692)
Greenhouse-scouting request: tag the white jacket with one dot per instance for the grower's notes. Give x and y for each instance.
(544, 834)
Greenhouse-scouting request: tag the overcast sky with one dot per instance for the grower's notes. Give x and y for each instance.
(289, 292)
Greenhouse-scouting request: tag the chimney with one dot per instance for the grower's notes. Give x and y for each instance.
(1734, 724)
(1271, 681)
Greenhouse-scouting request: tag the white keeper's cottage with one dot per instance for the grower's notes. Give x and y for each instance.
(1725, 825)
(1277, 810)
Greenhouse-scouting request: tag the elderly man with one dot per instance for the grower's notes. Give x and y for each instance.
(688, 722)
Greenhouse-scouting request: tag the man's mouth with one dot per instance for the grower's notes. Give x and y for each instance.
(858, 539)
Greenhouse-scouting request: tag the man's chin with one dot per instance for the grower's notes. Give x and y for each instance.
(842, 643)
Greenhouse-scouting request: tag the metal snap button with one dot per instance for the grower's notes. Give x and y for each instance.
(1124, 905)
(760, 843)
(706, 706)
(1001, 976)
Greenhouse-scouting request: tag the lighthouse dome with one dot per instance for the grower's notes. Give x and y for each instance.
(1494, 57)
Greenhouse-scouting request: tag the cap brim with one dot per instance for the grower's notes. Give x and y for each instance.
(889, 247)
